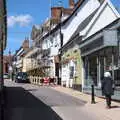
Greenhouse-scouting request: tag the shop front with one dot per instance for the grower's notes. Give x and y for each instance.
(97, 63)
(100, 54)
(71, 69)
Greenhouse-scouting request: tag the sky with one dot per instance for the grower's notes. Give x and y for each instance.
(23, 14)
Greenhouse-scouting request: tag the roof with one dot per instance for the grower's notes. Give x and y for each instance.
(81, 27)
(108, 26)
(104, 4)
(79, 3)
(84, 24)
(17, 51)
(79, 37)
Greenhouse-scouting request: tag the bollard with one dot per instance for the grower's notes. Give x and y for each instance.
(92, 95)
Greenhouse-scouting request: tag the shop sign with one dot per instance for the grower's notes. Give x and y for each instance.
(92, 45)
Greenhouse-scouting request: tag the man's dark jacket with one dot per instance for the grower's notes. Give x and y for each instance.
(107, 86)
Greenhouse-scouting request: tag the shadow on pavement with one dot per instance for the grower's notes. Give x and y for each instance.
(21, 105)
(115, 106)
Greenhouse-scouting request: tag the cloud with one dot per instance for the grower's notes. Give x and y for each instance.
(22, 20)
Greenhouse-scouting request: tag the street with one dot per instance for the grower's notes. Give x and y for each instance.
(60, 60)
(28, 102)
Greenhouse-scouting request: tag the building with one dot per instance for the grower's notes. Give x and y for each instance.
(46, 42)
(101, 55)
(55, 33)
(18, 56)
(71, 58)
(7, 62)
(86, 40)
(97, 39)
(76, 66)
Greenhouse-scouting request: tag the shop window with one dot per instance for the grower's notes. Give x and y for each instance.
(118, 34)
(101, 68)
(71, 72)
(116, 77)
(91, 71)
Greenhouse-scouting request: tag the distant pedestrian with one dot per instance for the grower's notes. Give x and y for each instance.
(107, 88)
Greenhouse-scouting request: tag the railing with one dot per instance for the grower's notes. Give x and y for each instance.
(42, 80)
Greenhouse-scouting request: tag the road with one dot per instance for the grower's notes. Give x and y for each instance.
(32, 102)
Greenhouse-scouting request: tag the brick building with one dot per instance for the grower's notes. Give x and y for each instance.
(7, 61)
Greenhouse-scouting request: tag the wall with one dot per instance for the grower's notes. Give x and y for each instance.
(26, 64)
(104, 18)
(74, 55)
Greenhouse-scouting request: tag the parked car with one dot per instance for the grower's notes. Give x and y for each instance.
(21, 77)
(6, 76)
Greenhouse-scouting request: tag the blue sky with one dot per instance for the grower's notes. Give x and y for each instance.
(23, 14)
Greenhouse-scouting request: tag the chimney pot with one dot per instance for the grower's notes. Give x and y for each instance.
(71, 4)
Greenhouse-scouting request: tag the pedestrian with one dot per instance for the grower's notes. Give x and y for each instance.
(107, 88)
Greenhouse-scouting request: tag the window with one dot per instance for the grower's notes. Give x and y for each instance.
(71, 72)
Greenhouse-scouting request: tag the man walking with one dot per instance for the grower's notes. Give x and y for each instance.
(107, 88)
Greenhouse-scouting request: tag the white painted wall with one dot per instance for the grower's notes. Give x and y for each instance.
(65, 75)
(26, 64)
(45, 44)
(106, 17)
(56, 45)
(83, 12)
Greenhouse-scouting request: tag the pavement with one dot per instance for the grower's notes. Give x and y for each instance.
(27, 101)
(98, 109)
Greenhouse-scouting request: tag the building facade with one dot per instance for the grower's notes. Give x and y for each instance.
(99, 48)
(92, 65)
(18, 57)
(88, 47)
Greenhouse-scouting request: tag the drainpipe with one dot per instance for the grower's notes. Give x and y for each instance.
(61, 44)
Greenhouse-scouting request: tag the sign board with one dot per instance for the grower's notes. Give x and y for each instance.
(65, 74)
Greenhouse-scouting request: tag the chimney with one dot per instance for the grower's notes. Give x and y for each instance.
(25, 44)
(56, 12)
(71, 4)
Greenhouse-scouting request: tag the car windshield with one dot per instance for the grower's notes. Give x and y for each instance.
(23, 74)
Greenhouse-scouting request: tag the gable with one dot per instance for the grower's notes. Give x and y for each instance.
(105, 15)
(85, 10)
